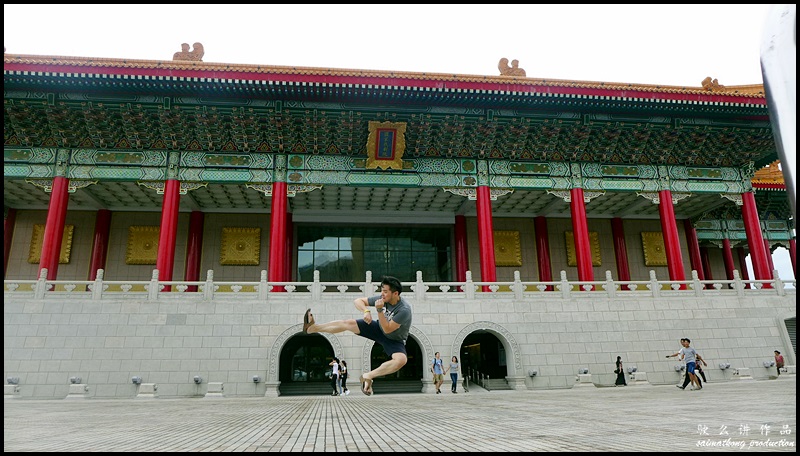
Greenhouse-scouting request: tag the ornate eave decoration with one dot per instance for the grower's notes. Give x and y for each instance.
(472, 194)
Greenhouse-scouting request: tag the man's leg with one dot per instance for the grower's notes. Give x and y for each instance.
(392, 365)
(333, 327)
(686, 380)
(695, 382)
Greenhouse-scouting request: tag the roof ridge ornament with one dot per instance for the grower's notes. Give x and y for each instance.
(513, 70)
(195, 55)
(712, 85)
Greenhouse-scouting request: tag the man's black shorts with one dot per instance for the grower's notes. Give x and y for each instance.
(373, 331)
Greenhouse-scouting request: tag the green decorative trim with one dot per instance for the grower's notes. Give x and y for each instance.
(384, 179)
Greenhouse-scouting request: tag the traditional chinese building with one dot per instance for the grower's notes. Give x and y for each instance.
(525, 215)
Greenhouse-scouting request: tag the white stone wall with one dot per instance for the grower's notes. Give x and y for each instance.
(232, 338)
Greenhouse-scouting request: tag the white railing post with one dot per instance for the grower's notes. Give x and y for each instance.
(419, 288)
(778, 283)
(97, 286)
(611, 288)
(208, 289)
(738, 285)
(698, 287)
(263, 288)
(41, 285)
(655, 287)
(469, 286)
(152, 289)
(565, 286)
(316, 288)
(518, 286)
(368, 287)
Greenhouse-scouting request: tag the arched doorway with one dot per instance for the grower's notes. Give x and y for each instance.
(408, 379)
(303, 368)
(482, 352)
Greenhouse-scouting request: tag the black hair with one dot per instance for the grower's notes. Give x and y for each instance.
(393, 283)
(456, 357)
(776, 351)
(619, 358)
(688, 341)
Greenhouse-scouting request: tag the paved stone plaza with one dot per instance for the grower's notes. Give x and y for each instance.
(734, 415)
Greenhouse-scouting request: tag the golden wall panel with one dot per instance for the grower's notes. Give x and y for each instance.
(653, 245)
(507, 251)
(240, 246)
(142, 244)
(37, 238)
(386, 144)
(594, 246)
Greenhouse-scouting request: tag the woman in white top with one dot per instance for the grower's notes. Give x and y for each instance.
(335, 376)
(454, 374)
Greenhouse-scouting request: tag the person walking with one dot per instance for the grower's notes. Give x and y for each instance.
(343, 377)
(778, 361)
(620, 373)
(437, 367)
(688, 355)
(390, 330)
(335, 375)
(454, 374)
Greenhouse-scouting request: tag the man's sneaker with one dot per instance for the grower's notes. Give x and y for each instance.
(681, 387)
(346, 392)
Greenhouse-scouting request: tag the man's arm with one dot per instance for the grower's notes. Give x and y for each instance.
(387, 326)
(362, 304)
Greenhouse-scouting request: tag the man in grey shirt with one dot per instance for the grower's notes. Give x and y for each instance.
(688, 355)
(390, 330)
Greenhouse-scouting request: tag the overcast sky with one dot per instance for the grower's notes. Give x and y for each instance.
(650, 44)
(675, 45)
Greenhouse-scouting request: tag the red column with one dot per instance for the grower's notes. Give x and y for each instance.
(102, 230)
(289, 247)
(543, 250)
(276, 271)
(194, 249)
(694, 249)
(486, 236)
(8, 234)
(727, 258)
(752, 226)
(620, 249)
(706, 264)
(54, 229)
(462, 248)
(768, 250)
(672, 245)
(168, 232)
(580, 231)
(792, 248)
(743, 272)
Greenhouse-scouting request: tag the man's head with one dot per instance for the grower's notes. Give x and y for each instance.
(391, 289)
(686, 342)
(436, 354)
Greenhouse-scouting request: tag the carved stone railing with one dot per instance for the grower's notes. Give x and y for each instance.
(207, 290)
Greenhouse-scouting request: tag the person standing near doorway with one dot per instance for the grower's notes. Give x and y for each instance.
(335, 376)
(453, 369)
(438, 372)
(343, 376)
